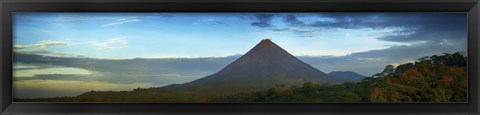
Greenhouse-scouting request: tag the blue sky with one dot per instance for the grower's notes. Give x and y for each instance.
(160, 35)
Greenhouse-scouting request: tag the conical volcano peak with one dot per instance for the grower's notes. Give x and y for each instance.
(270, 56)
(266, 41)
(263, 67)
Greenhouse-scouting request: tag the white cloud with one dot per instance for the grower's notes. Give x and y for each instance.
(81, 18)
(127, 18)
(211, 21)
(122, 21)
(109, 44)
(116, 40)
(20, 46)
(43, 43)
(50, 43)
(41, 48)
(109, 20)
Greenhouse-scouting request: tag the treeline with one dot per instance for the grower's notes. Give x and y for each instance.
(436, 78)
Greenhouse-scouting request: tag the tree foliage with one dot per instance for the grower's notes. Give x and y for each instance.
(430, 79)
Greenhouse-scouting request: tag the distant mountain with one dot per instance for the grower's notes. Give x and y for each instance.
(347, 75)
(264, 66)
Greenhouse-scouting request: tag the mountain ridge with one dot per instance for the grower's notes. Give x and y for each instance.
(347, 75)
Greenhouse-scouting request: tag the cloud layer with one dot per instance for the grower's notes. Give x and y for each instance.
(410, 27)
(424, 33)
(44, 47)
(41, 48)
(262, 20)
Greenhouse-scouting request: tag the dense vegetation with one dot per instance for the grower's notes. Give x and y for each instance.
(430, 79)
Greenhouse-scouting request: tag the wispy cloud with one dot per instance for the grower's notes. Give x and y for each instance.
(50, 43)
(44, 31)
(211, 21)
(109, 20)
(127, 18)
(109, 44)
(122, 21)
(41, 48)
(43, 43)
(82, 18)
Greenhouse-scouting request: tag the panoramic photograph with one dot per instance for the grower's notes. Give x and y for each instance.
(324, 57)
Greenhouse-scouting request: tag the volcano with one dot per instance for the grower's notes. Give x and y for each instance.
(264, 66)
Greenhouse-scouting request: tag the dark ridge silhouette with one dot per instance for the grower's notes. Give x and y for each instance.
(264, 66)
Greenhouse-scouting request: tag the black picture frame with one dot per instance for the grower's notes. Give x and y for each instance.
(472, 7)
